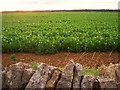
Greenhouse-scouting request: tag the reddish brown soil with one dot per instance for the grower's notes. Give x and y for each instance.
(86, 59)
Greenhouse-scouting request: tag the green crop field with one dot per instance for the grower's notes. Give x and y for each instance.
(53, 32)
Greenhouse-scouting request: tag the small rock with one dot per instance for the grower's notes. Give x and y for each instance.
(108, 72)
(77, 76)
(54, 79)
(3, 80)
(106, 83)
(40, 77)
(87, 82)
(67, 76)
(27, 74)
(96, 85)
(0, 76)
(117, 72)
(1, 67)
(118, 86)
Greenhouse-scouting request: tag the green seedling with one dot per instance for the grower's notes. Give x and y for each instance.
(34, 65)
(90, 71)
(13, 57)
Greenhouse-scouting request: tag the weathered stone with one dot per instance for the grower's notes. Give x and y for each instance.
(27, 74)
(1, 67)
(18, 75)
(108, 72)
(87, 82)
(40, 77)
(118, 86)
(0, 76)
(3, 80)
(106, 83)
(117, 72)
(67, 76)
(54, 79)
(96, 85)
(4, 85)
(77, 76)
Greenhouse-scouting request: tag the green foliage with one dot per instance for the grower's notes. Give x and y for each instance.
(34, 65)
(46, 32)
(87, 71)
(90, 71)
(13, 57)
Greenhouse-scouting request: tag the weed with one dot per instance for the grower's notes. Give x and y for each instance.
(90, 71)
(34, 65)
(13, 57)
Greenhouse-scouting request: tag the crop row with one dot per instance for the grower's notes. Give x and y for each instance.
(54, 32)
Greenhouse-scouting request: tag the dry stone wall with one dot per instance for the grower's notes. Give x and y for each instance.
(22, 76)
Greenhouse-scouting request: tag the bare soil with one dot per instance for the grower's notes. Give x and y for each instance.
(95, 59)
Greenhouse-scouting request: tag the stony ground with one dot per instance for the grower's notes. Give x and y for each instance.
(95, 59)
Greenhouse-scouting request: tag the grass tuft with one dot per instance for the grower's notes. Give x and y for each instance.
(90, 71)
(13, 57)
(34, 65)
